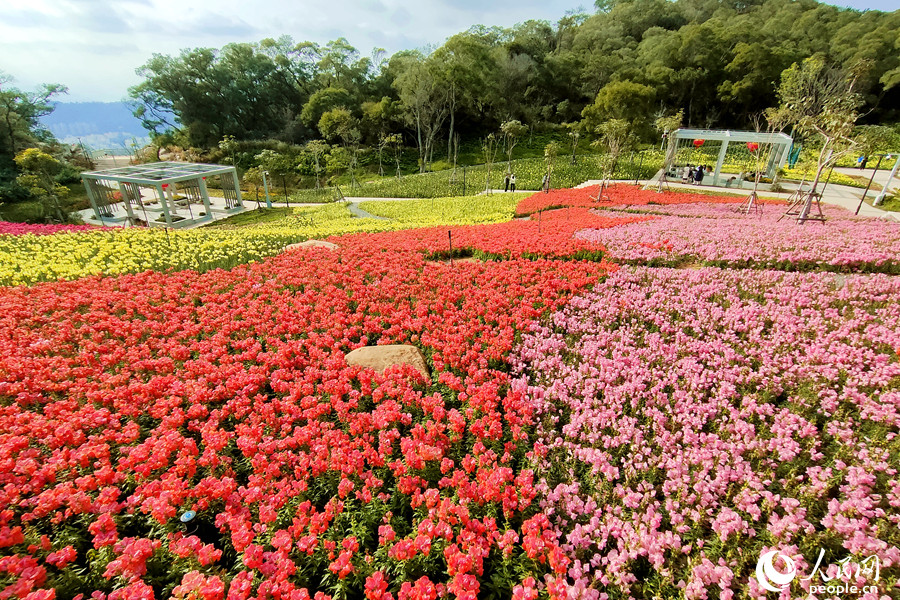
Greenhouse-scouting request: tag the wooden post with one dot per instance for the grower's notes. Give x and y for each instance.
(872, 178)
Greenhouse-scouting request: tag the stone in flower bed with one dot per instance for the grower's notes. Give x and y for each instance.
(715, 234)
(312, 244)
(693, 420)
(388, 355)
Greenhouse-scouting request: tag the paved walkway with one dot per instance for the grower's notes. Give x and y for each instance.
(154, 213)
(354, 208)
(838, 195)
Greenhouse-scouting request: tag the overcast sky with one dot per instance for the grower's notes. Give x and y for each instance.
(94, 46)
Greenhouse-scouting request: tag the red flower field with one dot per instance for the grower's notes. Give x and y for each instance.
(128, 401)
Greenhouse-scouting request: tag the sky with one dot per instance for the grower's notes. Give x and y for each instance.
(94, 46)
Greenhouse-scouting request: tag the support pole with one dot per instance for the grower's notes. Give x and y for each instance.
(237, 187)
(173, 207)
(91, 198)
(204, 193)
(720, 162)
(872, 178)
(887, 183)
(827, 179)
(124, 191)
(266, 187)
(164, 203)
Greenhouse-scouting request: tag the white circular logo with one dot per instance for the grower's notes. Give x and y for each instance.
(769, 577)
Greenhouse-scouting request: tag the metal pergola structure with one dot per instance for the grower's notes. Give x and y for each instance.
(777, 146)
(163, 178)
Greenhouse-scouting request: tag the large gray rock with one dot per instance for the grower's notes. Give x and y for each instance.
(382, 357)
(312, 244)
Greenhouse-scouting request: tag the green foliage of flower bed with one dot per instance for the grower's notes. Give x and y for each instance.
(529, 174)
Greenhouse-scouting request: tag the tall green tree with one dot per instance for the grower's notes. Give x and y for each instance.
(425, 104)
(623, 101)
(20, 128)
(20, 114)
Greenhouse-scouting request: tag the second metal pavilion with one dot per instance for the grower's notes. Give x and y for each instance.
(163, 178)
(775, 147)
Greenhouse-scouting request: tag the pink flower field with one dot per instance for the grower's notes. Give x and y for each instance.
(7, 228)
(692, 420)
(715, 234)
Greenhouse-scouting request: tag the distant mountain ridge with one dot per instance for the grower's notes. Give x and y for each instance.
(99, 125)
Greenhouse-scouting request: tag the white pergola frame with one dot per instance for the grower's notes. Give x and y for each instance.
(161, 176)
(781, 145)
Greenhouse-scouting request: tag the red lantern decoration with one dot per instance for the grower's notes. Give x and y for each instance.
(698, 143)
(165, 185)
(752, 146)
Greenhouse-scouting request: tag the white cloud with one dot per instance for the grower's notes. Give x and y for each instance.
(94, 46)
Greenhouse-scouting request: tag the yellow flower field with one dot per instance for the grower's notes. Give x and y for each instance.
(27, 259)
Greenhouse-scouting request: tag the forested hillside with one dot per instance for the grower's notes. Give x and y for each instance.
(718, 60)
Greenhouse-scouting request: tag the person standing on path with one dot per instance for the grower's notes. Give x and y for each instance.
(512, 182)
(506, 183)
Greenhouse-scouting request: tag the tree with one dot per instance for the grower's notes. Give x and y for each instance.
(877, 139)
(454, 64)
(340, 124)
(277, 164)
(317, 150)
(489, 148)
(20, 114)
(324, 101)
(38, 177)
(395, 142)
(512, 75)
(377, 118)
(574, 130)
(228, 145)
(383, 143)
(425, 103)
(512, 131)
(615, 136)
(21, 127)
(250, 91)
(254, 177)
(820, 100)
(666, 125)
(621, 100)
(551, 150)
(758, 158)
